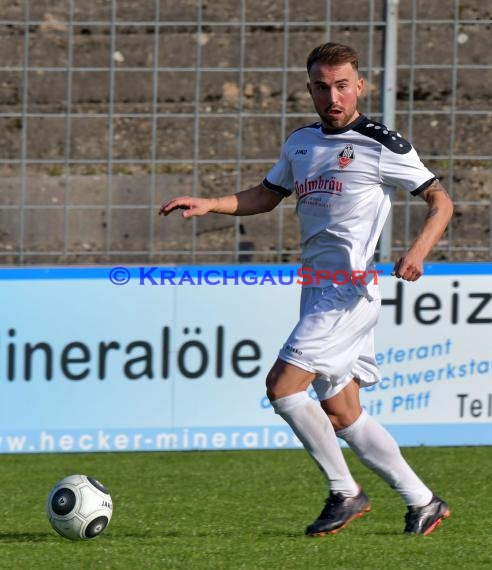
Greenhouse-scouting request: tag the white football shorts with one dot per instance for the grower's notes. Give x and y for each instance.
(334, 339)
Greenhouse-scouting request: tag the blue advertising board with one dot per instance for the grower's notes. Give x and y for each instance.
(174, 358)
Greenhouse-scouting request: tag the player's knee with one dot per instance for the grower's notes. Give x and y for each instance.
(271, 384)
(275, 388)
(284, 380)
(338, 422)
(344, 420)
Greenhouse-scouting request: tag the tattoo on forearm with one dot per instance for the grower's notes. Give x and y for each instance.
(431, 213)
(434, 187)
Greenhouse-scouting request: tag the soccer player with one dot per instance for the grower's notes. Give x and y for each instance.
(342, 170)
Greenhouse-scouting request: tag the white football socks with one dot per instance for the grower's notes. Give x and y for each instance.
(377, 449)
(312, 426)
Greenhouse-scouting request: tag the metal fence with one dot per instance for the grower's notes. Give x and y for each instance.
(109, 108)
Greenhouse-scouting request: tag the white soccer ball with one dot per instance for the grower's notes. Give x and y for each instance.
(79, 507)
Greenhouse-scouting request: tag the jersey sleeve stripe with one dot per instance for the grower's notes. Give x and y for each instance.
(422, 187)
(275, 188)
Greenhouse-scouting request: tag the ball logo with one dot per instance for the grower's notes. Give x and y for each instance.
(98, 527)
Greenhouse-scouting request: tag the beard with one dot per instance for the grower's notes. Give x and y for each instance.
(336, 118)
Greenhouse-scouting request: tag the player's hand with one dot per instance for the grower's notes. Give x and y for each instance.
(408, 267)
(191, 206)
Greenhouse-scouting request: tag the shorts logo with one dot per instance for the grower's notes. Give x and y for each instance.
(301, 151)
(346, 156)
(291, 348)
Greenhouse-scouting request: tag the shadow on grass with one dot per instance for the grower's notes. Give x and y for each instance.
(155, 534)
(332, 536)
(25, 536)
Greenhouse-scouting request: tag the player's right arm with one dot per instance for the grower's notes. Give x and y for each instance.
(255, 200)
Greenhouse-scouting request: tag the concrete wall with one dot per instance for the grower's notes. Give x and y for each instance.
(84, 213)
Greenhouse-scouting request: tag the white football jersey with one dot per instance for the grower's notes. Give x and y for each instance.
(342, 180)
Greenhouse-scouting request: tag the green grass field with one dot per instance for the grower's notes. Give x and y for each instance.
(242, 510)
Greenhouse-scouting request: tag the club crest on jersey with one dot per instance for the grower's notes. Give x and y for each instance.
(346, 156)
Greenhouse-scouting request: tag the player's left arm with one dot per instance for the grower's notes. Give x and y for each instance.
(410, 266)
